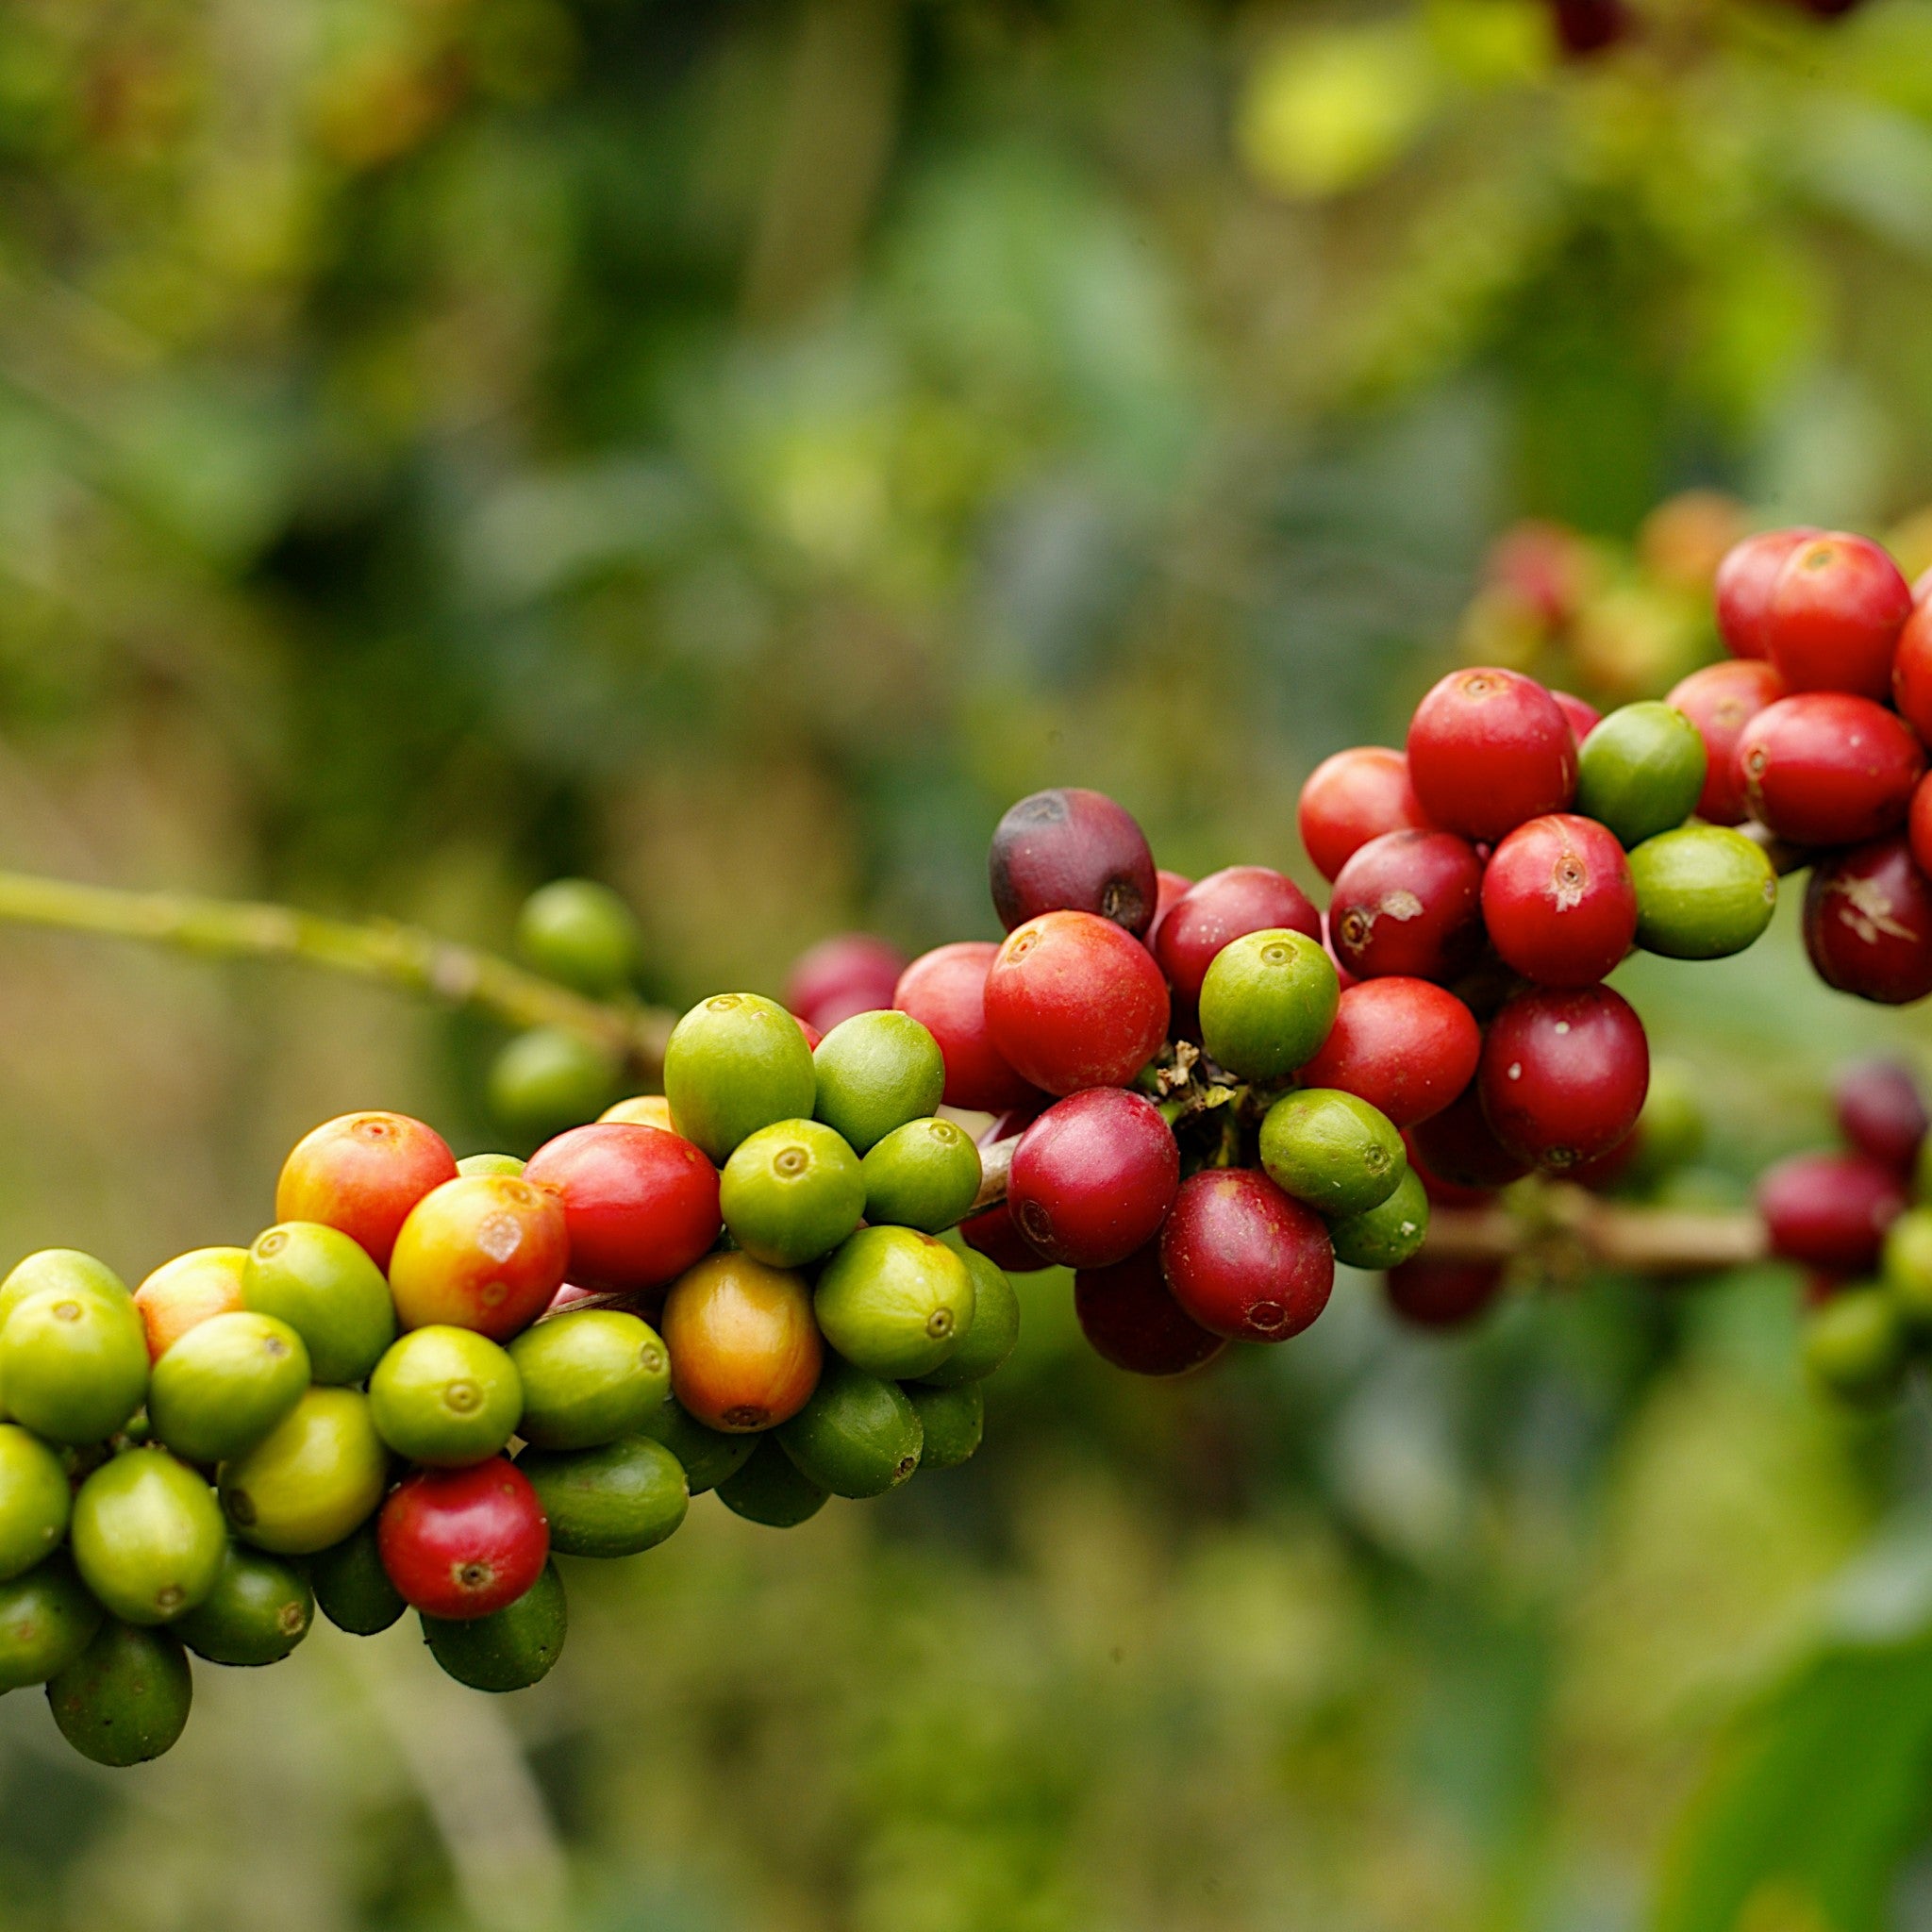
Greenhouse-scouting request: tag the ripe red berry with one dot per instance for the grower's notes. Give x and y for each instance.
(1542, 567)
(1408, 903)
(1720, 700)
(459, 1544)
(1881, 1112)
(1824, 768)
(1442, 1294)
(1224, 905)
(1352, 797)
(1489, 749)
(1072, 1001)
(641, 1206)
(1868, 922)
(1168, 886)
(1070, 850)
(1744, 582)
(1558, 902)
(1093, 1178)
(1131, 1319)
(994, 1235)
(1830, 1210)
(1918, 826)
(1245, 1260)
(1835, 612)
(362, 1173)
(1404, 1045)
(1584, 717)
(1563, 1074)
(851, 973)
(946, 991)
(1912, 670)
(1448, 1194)
(1457, 1153)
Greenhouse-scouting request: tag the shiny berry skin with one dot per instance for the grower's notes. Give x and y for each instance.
(1074, 1001)
(1835, 612)
(639, 1205)
(1093, 1178)
(1743, 585)
(1350, 798)
(1868, 924)
(1442, 1294)
(1224, 905)
(1408, 903)
(462, 1543)
(1558, 902)
(1912, 670)
(1830, 1210)
(362, 1173)
(1918, 826)
(1168, 886)
(1563, 1074)
(1405, 1045)
(1824, 768)
(1131, 1319)
(1070, 850)
(946, 991)
(745, 1352)
(1720, 700)
(1881, 1112)
(487, 1252)
(1584, 717)
(1245, 1259)
(992, 1233)
(850, 972)
(1489, 749)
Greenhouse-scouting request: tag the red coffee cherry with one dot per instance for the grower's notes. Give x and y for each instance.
(1825, 768)
(1720, 700)
(1489, 749)
(1584, 717)
(1563, 1074)
(1130, 1319)
(462, 1543)
(1442, 1294)
(1911, 669)
(851, 973)
(1835, 612)
(1408, 903)
(1918, 826)
(1352, 797)
(1830, 1210)
(1093, 1178)
(1558, 902)
(1072, 1001)
(1868, 924)
(1744, 582)
(639, 1205)
(1070, 850)
(993, 1234)
(1459, 1156)
(946, 991)
(1224, 905)
(1168, 886)
(1881, 1112)
(1245, 1260)
(361, 1174)
(1404, 1045)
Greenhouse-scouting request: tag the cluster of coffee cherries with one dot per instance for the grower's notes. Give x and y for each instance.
(1853, 1219)
(433, 1376)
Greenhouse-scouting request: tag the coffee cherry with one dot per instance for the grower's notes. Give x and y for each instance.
(1881, 1112)
(1093, 1178)
(640, 1203)
(313, 1480)
(771, 1489)
(1243, 1260)
(1584, 717)
(895, 1302)
(1408, 903)
(147, 1537)
(1168, 886)
(226, 1384)
(1558, 901)
(952, 1421)
(1720, 700)
(1830, 1210)
(1335, 1152)
(1072, 1001)
(946, 991)
(589, 1378)
(744, 1349)
(35, 1504)
(875, 1072)
(1824, 768)
(362, 1173)
(1563, 1074)
(1406, 1046)
(581, 933)
(1703, 893)
(923, 1176)
(189, 1290)
(1835, 612)
(1131, 1319)
(1349, 799)
(1641, 772)
(1442, 1294)
(1458, 1145)
(992, 1335)
(74, 1365)
(708, 1456)
(859, 1436)
(614, 1499)
(1489, 749)
(511, 1648)
(1267, 1004)
(327, 1289)
(1743, 587)
(548, 1078)
(1385, 1235)
(460, 1543)
(996, 1235)
(48, 1619)
(1911, 671)
(1868, 924)
(1227, 906)
(445, 1397)
(735, 1063)
(851, 973)
(1856, 1344)
(126, 1698)
(485, 1252)
(640, 1111)
(792, 1193)
(1070, 850)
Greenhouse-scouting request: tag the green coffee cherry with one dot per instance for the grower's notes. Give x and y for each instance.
(74, 1363)
(924, 1175)
(895, 1302)
(34, 1502)
(327, 1289)
(445, 1397)
(147, 1537)
(992, 1335)
(859, 1436)
(581, 933)
(511, 1648)
(318, 1476)
(590, 1376)
(735, 1063)
(706, 1456)
(1640, 771)
(1855, 1346)
(875, 1072)
(508, 1165)
(1388, 1234)
(792, 1193)
(1703, 893)
(1332, 1150)
(226, 1384)
(47, 1617)
(771, 1489)
(612, 1500)
(1908, 1266)
(63, 1268)
(1267, 1004)
(550, 1078)
(259, 1610)
(352, 1589)
(126, 1698)
(953, 1421)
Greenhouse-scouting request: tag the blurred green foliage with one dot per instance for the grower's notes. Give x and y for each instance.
(731, 452)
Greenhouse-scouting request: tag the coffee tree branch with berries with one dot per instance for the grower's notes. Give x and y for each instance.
(785, 1276)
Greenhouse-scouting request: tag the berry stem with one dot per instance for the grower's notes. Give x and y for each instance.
(401, 955)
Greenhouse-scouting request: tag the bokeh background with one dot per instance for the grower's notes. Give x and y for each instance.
(733, 450)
